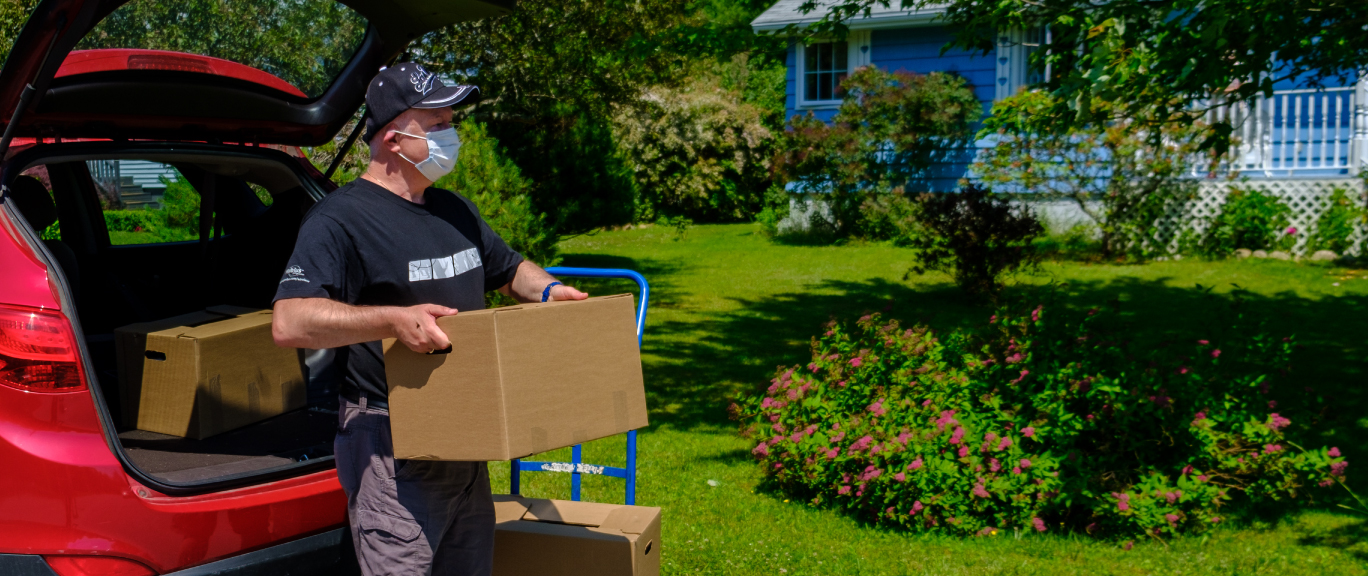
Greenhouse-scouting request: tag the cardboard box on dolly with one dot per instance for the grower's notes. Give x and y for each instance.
(206, 372)
(517, 381)
(534, 536)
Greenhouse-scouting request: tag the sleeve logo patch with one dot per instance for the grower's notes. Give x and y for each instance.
(444, 267)
(294, 274)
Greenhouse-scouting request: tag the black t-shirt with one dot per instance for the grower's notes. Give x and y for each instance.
(364, 245)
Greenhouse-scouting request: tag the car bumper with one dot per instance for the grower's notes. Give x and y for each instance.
(328, 553)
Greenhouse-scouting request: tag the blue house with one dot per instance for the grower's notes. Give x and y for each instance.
(1300, 144)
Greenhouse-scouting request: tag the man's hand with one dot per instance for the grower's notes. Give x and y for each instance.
(416, 327)
(529, 281)
(563, 292)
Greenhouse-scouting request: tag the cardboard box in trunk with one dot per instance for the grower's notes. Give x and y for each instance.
(519, 380)
(533, 536)
(203, 373)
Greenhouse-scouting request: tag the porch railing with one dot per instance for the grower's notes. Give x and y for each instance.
(1305, 132)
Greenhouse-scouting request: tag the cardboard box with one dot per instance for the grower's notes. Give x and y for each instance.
(519, 380)
(533, 536)
(203, 373)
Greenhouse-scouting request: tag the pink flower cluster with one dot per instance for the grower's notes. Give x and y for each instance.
(1276, 422)
(870, 473)
(877, 408)
(860, 445)
(947, 418)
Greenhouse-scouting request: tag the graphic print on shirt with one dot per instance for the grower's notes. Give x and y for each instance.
(294, 274)
(444, 267)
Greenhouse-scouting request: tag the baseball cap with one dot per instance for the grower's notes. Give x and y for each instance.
(407, 85)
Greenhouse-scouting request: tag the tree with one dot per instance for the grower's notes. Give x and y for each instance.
(304, 42)
(1156, 59)
(1118, 175)
(552, 74)
(891, 129)
(13, 15)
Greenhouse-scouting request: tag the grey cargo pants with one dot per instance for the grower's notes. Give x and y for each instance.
(414, 518)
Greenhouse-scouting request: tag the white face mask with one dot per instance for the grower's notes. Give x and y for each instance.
(443, 145)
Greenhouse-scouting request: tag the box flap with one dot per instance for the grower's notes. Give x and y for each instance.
(630, 519)
(225, 326)
(192, 319)
(566, 512)
(509, 508)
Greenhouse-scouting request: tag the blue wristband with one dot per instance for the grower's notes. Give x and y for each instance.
(546, 293)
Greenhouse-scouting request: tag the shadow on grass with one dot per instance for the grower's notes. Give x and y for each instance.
(1341, 538)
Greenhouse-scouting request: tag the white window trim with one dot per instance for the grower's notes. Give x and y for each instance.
(858, 54)
(1013, 62)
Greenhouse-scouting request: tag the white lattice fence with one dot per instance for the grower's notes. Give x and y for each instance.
(1307, 199)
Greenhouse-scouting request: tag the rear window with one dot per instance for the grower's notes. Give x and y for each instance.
(303, 42)
(146, 202)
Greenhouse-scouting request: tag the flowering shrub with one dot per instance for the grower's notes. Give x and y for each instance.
(1038, 420)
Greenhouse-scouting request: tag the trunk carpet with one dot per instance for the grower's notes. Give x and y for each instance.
(285, 439)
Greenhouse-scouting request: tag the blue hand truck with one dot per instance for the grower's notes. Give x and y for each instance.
(575, 467)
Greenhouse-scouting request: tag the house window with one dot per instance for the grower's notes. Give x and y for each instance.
(825, 66)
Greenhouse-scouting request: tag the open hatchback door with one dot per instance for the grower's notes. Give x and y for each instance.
(286, 73)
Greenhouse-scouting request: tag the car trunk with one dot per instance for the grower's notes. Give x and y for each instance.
(127, 240)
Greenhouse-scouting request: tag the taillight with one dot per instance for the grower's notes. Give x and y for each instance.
(93, 565)
(174, 62)
(38, 351)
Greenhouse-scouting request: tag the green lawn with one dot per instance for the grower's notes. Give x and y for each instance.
(728, 306)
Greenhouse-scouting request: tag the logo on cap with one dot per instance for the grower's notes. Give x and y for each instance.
(422, 79)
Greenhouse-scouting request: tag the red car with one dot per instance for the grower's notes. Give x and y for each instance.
(141, 183)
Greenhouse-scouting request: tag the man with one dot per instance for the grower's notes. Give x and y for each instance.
(384, 257)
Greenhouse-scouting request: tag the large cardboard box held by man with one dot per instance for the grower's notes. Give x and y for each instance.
(207, 372)
(533, 536)
(519, 380)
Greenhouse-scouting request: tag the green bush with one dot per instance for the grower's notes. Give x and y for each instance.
(496, 186)
(134, 221)
(1040, 419)
(891, 216)
(1252, 220)
(181, 204)
(1335, 228)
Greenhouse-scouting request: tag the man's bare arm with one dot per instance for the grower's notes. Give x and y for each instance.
(529, 281)
(323, 323)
